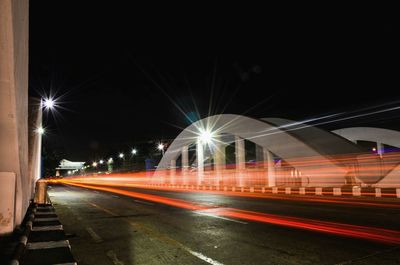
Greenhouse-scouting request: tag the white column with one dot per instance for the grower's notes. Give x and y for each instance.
(219, 160)
(379, 148)
(185, 164)
(269, 163)
(172, 172)
(240, 161)
(200, 162)
(7, 202)
(14, 21)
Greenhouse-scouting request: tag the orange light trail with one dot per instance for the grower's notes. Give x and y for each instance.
(354, 231)
(126, 181)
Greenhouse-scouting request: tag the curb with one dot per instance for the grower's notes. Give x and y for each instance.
(354, 191)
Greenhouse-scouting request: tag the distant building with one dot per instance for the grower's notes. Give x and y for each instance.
(68, 166)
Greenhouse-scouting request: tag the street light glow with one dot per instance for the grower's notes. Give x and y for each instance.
(101, 161)
(110, 160)
(134, 151)
(121, 155)
(94, 164)
(206, 136)
(49, 103)
(40, 130)
(160, 146)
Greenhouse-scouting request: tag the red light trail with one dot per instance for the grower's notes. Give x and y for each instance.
(355, 231)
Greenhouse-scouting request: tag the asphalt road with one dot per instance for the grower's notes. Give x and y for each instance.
(106, 228)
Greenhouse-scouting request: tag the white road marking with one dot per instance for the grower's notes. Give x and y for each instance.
(220, 217)
(115, 196)
(93, 234)
(203, 257)
(113, 256)
(143, 202)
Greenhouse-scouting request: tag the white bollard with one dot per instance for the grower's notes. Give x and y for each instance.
(356, 191)
(337, 191)
(378, 192)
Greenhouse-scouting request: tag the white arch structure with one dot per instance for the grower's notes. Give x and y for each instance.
(313, 163)
(380, 137)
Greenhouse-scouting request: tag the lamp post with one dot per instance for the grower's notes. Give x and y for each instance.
(161, 148)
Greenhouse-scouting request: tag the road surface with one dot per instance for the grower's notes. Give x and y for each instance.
(113, 229)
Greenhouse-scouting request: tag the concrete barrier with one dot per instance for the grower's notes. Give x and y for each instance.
(7, 202)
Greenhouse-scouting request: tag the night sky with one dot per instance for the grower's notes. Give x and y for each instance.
(126, 74)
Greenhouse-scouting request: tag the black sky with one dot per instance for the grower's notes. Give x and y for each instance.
(122, 69)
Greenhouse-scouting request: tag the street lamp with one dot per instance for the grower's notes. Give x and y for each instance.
(94, 164)
(134, 151)
(161, 148)
(101, 161)
(40, 130)
(121, 155)
(206, 136)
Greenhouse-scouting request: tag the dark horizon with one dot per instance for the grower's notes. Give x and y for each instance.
(118, 71)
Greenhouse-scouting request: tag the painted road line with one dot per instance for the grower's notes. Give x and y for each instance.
(220, 217)
(161, 237)
(144, 202)
(203, 257)
(96, 237)
(113, 257)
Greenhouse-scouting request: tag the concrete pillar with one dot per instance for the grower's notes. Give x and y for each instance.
(200, 162)
(172, 172)
(240, 161)
(185, 164)
(7, 193)
(270, 165)
(219, 161)
(14, 20)
(380, 149)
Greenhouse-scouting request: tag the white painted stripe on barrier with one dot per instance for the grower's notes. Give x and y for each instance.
(398, 193)
(43, 213)
(45, 219)
(225, 188)
(48, 244)
(275, 190)
(47, 228)
(302, 191)
(233, 188)
(318, 191)
(288, 190)
(263, 190)
(378, 192)
(23, 239)
(241, 189)
(337, 191)
(251, 189)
